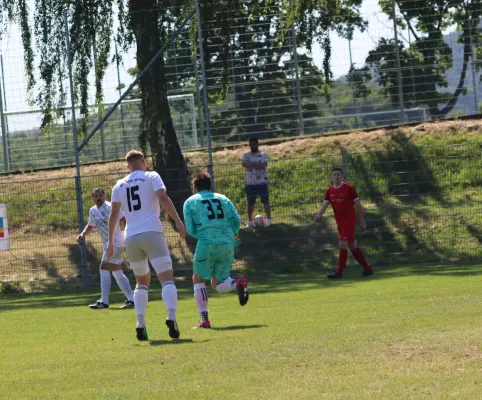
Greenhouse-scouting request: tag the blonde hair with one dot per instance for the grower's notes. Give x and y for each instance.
(134, 155)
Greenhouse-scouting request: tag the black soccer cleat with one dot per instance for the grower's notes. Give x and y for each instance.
(242, 288)
(336, 275)
(367, 272)
(141, 334)
(98, 305)
(129, 304)
(174, 331)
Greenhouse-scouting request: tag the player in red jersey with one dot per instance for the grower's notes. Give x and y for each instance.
(344, 199)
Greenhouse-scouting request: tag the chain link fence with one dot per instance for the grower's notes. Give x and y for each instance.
(422, 204)
(400, 68)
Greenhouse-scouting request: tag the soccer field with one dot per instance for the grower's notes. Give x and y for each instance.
(406, 333)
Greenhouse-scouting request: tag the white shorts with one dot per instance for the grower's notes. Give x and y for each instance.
(150, 246)
(116, 259)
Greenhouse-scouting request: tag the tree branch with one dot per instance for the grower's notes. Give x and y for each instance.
(405, 16)
(441, 16)
(460, 87)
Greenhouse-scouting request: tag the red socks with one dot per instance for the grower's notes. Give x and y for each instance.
(360, 257)
(342, 261)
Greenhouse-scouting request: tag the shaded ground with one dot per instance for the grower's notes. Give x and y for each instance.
(260, 282)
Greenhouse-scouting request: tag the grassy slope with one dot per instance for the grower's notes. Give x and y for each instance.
(421, 195)
(407, 333)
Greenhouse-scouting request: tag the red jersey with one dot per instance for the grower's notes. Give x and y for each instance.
(342, 199)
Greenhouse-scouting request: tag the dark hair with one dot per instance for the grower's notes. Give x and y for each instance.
(202, 181)
(99, 189)
(337, 169)
(253, 139)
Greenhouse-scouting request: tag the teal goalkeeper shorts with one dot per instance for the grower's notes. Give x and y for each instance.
(213, 260)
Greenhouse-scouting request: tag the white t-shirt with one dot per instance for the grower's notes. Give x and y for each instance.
(99, 217)
(256, 176)
(137, 195)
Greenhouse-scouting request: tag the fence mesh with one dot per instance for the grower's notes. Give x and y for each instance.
(272, 84)
(422, 204)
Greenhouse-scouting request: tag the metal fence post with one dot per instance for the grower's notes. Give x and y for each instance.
(78, 183)
(399, 68)
(123, 129)
(198, 101)
(474, 84)
(235, 94)
(352, 85)
(4, 135)
(102, 138)
(298, 85)
(4, 97)
(205, 92)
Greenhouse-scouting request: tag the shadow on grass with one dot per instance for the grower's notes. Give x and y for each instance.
(238, 327)
(259, 283)
(174, 342)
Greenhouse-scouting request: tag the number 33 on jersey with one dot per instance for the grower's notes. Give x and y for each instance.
(211, 217)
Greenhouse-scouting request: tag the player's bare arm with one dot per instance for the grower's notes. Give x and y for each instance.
(167, 205)
(113, 221)
(360, 214)
(322, 210)
(88, 229)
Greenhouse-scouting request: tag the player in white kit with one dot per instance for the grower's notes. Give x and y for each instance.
(140, 195)
(98, 217)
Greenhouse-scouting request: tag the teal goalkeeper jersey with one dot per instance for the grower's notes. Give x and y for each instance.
(211, 218)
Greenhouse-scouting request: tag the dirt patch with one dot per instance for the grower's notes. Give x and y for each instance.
(357, 141)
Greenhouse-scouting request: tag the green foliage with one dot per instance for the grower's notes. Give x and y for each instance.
(315, 19)
(9, 288)
(92, 30)
(358, 79)
(425, 63)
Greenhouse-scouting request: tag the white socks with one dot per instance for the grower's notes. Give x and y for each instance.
(105, 282)
(169, 296)
(124, 284)
(228, 285)
(141, 297)
(201, 297)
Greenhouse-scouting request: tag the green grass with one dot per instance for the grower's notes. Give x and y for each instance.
(405, 333)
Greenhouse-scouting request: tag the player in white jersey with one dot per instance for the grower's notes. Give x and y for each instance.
(98, 218)
(140, 195)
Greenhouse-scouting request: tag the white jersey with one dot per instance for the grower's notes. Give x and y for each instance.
(99, 217)
(255, 176)
(137, 195)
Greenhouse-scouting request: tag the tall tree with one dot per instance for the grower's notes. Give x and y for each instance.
(428, 59)
(148, 23)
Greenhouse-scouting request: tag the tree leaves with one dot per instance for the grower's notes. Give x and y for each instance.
(426, 61)
(92, 26)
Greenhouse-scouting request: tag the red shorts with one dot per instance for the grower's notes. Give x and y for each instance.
(346, 231)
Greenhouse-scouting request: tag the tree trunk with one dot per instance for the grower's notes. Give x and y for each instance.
(157, 128)
(434, 110)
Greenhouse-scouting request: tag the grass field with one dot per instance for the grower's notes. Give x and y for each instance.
(405, 333)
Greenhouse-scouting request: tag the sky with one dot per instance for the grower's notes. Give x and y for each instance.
(15, 80)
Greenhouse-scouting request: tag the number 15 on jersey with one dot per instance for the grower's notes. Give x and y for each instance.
(133, 199)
